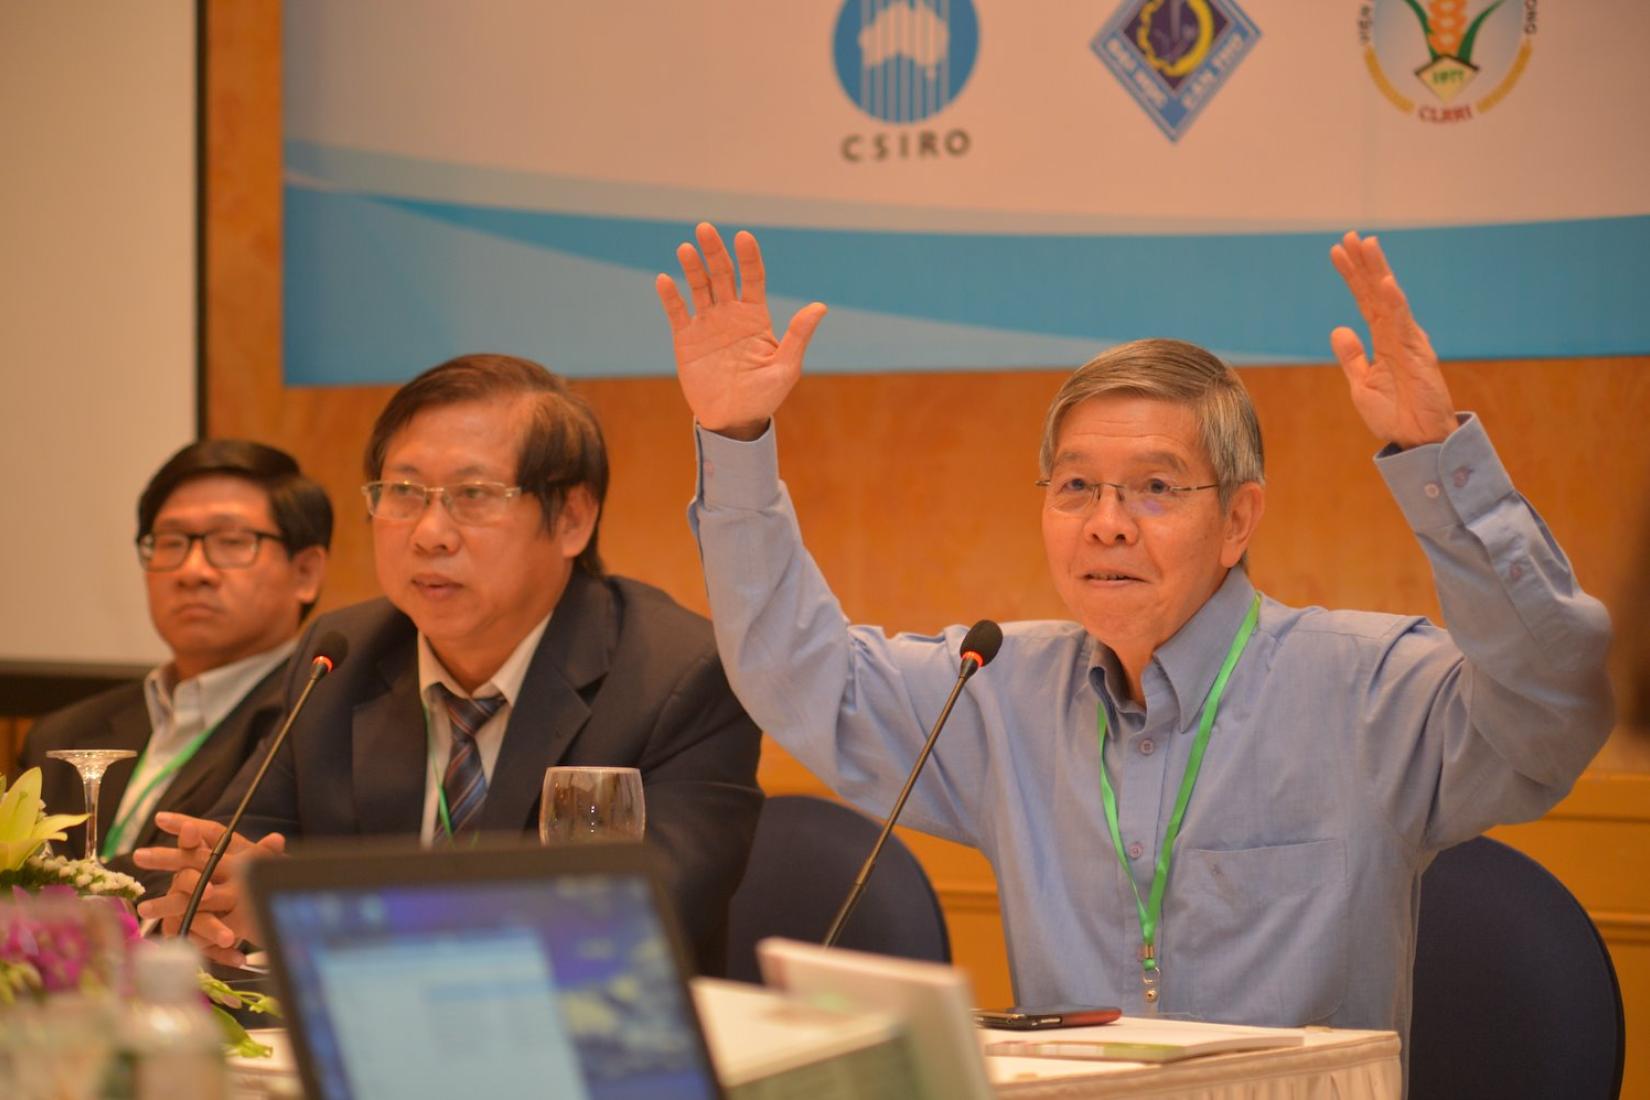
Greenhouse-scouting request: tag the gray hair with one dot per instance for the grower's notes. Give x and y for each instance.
(1181, 373)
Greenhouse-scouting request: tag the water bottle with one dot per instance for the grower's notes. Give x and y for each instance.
(168, 1045)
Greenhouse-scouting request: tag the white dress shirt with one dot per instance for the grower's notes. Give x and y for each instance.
(489, 738)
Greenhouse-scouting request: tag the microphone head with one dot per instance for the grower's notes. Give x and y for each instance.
(331, 651)
(982, 641)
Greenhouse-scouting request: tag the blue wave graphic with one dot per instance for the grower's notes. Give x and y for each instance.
(378, 288)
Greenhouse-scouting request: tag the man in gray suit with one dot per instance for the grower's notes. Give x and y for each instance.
(228, 608)
(501, 649)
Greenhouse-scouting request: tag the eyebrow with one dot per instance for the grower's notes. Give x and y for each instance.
(214, 521)
(1150, 458)
(463, 473)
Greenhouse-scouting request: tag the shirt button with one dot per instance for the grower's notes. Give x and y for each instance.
(710, 469)
(1136, 850)
(1514, 571)
(1147, 746)
(1461, 476)
(1432, 490)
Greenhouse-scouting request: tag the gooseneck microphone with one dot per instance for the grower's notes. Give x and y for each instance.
(979, 645)
(330, 653)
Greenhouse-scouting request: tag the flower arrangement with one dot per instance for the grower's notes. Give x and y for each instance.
(25, 829)
(49, 946)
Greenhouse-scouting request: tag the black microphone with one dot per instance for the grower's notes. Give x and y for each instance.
(330, 653)
(979, 645)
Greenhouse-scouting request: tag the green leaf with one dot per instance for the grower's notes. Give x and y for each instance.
(1426, 28)
(237, 1039)
(1468, 39)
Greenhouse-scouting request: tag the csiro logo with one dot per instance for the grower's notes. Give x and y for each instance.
(902, 61)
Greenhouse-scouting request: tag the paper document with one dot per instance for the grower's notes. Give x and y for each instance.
(1135, 1040)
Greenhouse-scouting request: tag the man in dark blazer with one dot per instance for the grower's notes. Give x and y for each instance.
(228, 608)
(119, 719)
(486, 482)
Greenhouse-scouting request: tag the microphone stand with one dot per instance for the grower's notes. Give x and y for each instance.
(970, 665)
(320, 667)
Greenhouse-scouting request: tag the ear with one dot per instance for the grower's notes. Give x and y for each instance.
(309, 568)
(576, 521)
(1243, 514)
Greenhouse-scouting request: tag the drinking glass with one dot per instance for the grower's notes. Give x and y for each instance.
(91, 764)
(583, 804)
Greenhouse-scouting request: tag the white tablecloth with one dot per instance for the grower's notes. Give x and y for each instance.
(1329, 1065)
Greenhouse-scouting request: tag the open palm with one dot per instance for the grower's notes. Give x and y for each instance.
(1398, 390)
(733, 372)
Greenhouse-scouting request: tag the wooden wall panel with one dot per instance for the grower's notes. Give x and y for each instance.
(915, 497)
(12, 733)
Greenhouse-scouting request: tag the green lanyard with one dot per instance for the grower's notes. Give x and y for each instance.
(111, 841)
(1151, 910)
(441, 811)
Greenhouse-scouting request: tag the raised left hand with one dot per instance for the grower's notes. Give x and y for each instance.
(1399, 390)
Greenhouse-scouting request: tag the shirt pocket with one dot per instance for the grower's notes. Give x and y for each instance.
(1263, 932)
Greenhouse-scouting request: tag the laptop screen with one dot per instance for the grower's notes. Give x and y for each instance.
(565, 985)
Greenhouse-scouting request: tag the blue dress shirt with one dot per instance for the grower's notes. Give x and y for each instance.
(1349, 748)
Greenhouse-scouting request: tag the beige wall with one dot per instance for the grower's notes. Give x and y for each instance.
(915, 497)
(97, 318)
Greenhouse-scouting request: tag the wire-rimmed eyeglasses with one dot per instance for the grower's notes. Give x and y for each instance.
(1147, 496)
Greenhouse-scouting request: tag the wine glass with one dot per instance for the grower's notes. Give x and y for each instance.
(91, 764)
(588, 803)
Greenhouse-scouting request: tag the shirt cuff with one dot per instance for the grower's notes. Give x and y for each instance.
(736, 474)
(1443, 484)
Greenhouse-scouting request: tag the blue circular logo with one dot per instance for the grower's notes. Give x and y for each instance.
(904, 60)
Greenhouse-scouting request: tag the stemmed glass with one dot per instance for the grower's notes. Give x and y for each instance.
(91, 764)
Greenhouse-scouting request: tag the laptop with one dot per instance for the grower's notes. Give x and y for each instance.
(481, 972)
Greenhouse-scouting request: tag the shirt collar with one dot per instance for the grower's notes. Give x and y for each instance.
(205, 700)
(1191, 659)
(506, 681)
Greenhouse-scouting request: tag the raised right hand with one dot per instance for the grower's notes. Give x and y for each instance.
(734, 374)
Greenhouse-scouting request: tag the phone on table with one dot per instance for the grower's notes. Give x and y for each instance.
(1023, 1018)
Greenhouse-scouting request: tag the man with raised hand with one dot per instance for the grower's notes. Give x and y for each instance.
(1196, 800)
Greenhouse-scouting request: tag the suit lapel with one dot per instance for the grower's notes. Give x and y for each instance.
(390, 749)
(572, 655)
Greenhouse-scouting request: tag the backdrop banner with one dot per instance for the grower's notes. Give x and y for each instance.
(969, 184)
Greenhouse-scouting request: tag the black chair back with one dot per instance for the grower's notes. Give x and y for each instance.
(802, 864)
(1515, 995)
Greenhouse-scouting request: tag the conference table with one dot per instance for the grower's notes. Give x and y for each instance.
(1347, 1065)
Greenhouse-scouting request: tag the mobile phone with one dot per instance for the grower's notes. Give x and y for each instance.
(1022, 1018)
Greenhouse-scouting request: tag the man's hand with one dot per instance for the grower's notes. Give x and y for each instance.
(734, 374)
(1399, 391)
(222, 921)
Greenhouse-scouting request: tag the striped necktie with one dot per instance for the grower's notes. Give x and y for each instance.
(465, 784)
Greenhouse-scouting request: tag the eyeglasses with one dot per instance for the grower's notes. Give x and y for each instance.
(469, 502)
(1142, 498)
(225, 548)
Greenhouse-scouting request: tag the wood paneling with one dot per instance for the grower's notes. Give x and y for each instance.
(915, 496)
(12, 732)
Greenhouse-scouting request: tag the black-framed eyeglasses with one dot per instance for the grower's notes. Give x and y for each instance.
(1147, 496)
(468, 502)
(225, 547)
